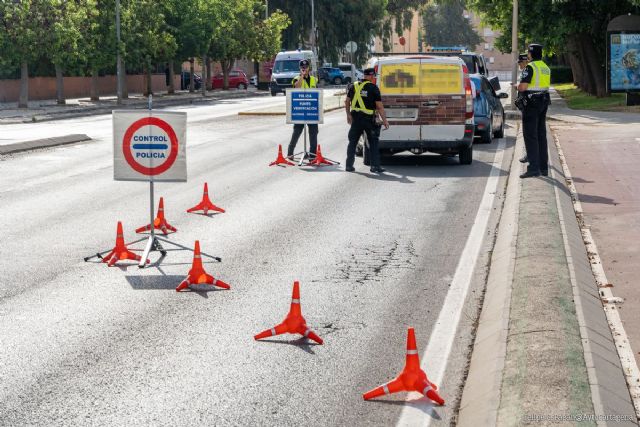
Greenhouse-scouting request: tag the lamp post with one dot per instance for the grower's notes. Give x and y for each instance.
(514, 52)
(118, 58)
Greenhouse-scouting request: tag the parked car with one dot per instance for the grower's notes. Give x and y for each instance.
(349, 71)
(474, 61)
(429, 104)
(237, 79)
(487, 109)
(185, 80)
(254, 80)
(331, 75)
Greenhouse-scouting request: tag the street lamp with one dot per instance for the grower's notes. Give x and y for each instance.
(118, 58)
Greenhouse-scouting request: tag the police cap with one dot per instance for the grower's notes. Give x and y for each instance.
(304, 63)
(523, 57)
(369, 72)
(535, 50)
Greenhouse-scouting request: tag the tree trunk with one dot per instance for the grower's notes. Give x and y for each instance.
(226, 65)
(209, 82)
(594, 67)
(588, 84)
(575, 60)
(172, 88)
(192, 83)
(204, 75)
(59, 85)
(24, 85)
(94, 91)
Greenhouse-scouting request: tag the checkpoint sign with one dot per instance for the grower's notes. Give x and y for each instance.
(304, 106)
(149, 145)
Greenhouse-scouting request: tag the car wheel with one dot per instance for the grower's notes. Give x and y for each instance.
(337, 81)
(488, 134)
(466, 155)
(500, 132)
(242, 86)
(273, 93)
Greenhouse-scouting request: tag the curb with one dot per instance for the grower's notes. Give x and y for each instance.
(141, 104)
(43, 143)
(481, 395)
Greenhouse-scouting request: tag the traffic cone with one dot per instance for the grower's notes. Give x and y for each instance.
(197, 275)
(120, 251)
(294, 323)
(205, 205)
(412, 378)
(280, 160)
(160, 223)
(319, 160)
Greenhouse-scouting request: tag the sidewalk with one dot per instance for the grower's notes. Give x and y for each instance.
(80, 107)
(544, 353)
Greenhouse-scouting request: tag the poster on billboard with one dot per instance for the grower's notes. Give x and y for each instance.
(624, 62)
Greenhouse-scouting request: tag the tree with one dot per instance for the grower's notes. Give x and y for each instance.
(576, 28)
(98, 41)
(445, 25)
(21, 23)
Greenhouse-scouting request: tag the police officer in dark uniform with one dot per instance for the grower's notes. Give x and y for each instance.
(362, 103)
(304, 81)
(534, 93)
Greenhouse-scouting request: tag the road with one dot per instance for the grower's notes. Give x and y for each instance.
(86, 344)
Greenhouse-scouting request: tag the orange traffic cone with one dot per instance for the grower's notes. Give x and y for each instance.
(160, 223)
(319, 160)
(205, 205)
(197, 275)
(294, 323)
(120, 251)
(280, 160)
(412, 378)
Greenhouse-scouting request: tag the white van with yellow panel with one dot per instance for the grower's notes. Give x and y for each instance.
(429, 105)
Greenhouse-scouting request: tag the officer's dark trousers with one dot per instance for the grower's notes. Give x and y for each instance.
(313, 138)
(363, 123)
(534, 130)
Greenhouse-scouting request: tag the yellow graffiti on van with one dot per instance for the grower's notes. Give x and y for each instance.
(420, 79)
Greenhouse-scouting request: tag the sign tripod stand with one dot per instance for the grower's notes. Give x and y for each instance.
(153, 240)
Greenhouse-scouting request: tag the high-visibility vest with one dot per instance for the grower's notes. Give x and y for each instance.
(357, 103)
(541, 79)
(312, 82)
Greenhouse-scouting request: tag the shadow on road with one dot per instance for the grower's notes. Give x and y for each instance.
(301, 343)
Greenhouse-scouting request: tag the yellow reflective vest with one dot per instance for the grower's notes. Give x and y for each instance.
(312, 82)
(357, 103)
(541, 79)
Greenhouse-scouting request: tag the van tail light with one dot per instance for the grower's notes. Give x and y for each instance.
(468, 115)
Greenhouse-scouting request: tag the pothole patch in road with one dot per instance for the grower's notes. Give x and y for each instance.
(338, 325)
(372, 263)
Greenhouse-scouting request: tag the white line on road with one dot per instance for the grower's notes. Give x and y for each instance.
(417, 411)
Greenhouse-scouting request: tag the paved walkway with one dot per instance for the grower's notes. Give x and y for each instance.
(544, 352)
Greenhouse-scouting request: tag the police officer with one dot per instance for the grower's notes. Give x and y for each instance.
(534, 86)
(523, 59)
(362, 103)
(304, 81)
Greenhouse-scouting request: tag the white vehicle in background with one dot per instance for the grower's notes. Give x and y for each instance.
(254, 80)
(287, 66)
(349, 71)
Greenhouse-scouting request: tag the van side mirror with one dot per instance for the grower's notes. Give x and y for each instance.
(495, 83)
(503, 95)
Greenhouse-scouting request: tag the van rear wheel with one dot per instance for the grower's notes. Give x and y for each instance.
(466, 155)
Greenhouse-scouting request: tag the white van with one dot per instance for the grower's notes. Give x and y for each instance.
(349, 71)
(287, 65)
(429, 104)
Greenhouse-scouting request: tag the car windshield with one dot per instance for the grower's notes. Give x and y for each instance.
(285, 66)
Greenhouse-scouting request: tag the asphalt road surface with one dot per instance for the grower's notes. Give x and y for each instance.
(84, 344)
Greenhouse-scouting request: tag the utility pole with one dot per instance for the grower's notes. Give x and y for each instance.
(514, 53)
(118, 58)
(313, 28)
(266, 10)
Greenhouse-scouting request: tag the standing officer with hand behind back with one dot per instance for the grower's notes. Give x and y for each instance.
(534, 85)
(304, 81)
(362, 102)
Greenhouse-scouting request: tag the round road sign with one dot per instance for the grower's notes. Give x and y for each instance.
(351, 47)
(143, 147)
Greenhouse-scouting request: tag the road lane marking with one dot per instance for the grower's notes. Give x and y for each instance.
(435, 357)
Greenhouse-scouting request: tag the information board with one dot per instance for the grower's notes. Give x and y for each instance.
(624, 62)
(149, 144)
(304, 106)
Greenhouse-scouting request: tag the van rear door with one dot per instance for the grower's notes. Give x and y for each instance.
(442, 114)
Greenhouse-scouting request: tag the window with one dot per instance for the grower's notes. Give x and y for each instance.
(488, 32)
(487, 46)
(491, 59)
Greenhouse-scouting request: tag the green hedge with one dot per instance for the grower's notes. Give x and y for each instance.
(561, 74)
